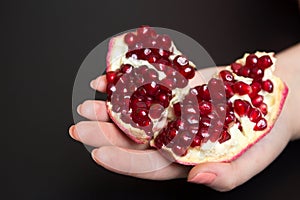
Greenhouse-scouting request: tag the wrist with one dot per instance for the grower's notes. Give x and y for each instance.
(288, 69)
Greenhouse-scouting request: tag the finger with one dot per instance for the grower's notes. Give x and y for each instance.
(93, 110)
(99, 84)
(97, 134)
(226, 176)
(148, 164)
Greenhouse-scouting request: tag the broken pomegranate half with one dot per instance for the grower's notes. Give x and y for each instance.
(150, 99)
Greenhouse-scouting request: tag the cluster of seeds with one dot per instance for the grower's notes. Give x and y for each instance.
(214, 113)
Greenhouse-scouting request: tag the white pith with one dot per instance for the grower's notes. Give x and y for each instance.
(209, 151)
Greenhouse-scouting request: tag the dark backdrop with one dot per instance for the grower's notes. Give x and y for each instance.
(43, 45)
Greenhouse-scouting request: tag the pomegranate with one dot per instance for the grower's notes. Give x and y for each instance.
(150, 99)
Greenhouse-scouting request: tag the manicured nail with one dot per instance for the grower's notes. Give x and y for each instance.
(93, 84)
(73, 133)
(79, 109)
(203, 178)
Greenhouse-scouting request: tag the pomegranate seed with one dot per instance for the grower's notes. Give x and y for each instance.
(116, 108)
(164, 41)
(110, 77)
(254, 115)
(155, 111)
(161, 64)
(142, 69)
(185, 139)
(140, 113)
(257, 100)
(205, 107)
(214, 134)
(187, 71)
(126, 68)
(139, 104)
(242, 88)
(152, 58)
(181, 61)
(203, 92)
(267, 86)
(256, 87)
(180, 151)
(235, 67)
(224, 137)
(264, 62)
(244, 71)
(251, 60)
(261, 125)
(216, 88)
(125, 118)
(168, 83)
(158, 142)
(221, 109)
(196, 141)
(192, 118)
(203, 132)
(181, 82)
(239, 124)
(165, 90)
(130, 39)
(205, 122)
(164, 53)
(241, 107)
(257, 73)
(228, 90)
(163, 99)
(177, 109)
(229, 118)
(152, 88)
(110, 89)
(226, 76)
(263, 108)
(138, 45)
(150, 43)
(146, 31)
(172, 133)
(141, 91)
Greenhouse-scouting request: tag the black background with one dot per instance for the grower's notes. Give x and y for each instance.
(43, 45)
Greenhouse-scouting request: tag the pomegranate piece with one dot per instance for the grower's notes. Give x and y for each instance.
(154, 101)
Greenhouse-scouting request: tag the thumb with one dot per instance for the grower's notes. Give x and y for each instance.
(226, 176)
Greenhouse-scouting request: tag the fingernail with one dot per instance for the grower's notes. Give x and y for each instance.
(95, 155)
(73, 133)
(93, 84)
(79, 109)
(203, 178)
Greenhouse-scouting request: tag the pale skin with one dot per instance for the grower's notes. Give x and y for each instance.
(114, 148)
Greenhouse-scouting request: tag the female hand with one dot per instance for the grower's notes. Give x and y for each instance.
(116, 152)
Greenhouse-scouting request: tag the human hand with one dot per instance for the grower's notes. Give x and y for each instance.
(119, 154)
